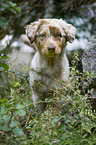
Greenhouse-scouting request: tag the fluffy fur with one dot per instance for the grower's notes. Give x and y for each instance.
(50, 61)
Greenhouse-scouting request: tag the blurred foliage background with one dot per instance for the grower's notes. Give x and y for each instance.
(15, 14)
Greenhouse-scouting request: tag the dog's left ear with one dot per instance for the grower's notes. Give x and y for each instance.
(69, 30)
(31, 30)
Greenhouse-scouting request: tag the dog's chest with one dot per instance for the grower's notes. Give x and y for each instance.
(44, 72)
(45, 77)
(43, 83)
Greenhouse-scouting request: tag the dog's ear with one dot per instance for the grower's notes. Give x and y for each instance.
(69, 30)
(31, 30)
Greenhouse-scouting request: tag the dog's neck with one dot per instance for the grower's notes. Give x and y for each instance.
(51, 61)
(56, 67)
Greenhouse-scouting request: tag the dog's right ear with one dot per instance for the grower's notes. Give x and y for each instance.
(31, 30)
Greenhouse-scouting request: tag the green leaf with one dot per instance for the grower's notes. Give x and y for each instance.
(13, 11)
(0, 119)
(17, 9)
(21, 112)
(5, 5)
(14, 123)
(3, 110)
(6, 118)
(5, 128)
(2, 1)
(19, 106)
(12, 4)
(4, 67)
(18, 132)
(55, 133)
(15, 84)
(3, 23)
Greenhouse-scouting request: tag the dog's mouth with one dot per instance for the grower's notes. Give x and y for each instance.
(51, 54)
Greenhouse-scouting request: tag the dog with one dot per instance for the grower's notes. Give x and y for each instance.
(49, 63)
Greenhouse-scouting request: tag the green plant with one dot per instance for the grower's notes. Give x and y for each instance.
(10, 6)
(20, 123)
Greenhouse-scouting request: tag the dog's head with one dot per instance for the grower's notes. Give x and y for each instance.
(50, 35)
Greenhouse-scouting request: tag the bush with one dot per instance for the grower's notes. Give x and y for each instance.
(20, 123)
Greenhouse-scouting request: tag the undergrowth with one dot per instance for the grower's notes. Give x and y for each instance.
(72, 123)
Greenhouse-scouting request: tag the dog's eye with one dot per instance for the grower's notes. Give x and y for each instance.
(42, 35)
(58, 34)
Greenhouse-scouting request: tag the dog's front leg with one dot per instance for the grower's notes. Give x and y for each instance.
(37, 100)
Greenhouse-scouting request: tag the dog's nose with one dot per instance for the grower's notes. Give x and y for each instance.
(51, 48)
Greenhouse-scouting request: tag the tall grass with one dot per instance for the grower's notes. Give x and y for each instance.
(72, 123)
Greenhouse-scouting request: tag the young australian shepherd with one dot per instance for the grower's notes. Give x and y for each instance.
(49, 63)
